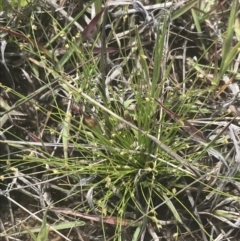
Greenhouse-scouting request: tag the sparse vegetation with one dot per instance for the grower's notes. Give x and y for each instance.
(119, 120)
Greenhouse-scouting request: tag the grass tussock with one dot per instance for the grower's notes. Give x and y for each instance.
(119, 120)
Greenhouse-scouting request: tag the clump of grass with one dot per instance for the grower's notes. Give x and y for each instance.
(115, 125)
